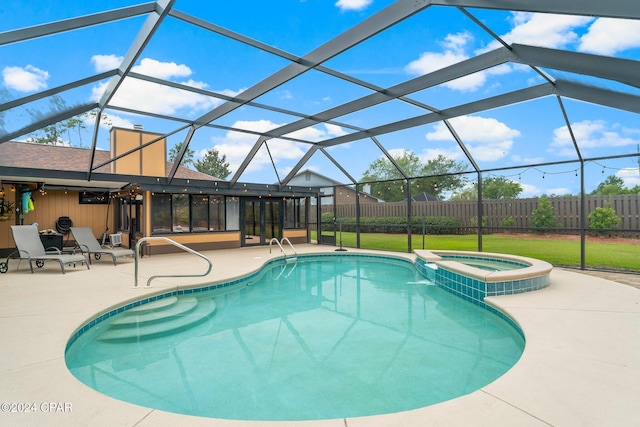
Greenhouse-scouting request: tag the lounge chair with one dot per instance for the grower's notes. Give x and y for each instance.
(30, 247)
(88, 243)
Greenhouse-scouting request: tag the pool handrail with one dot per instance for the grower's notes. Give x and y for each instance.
(291, 245)
(284, 254)
(174, 243)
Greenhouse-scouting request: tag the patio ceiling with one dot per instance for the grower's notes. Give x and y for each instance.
(373, 111)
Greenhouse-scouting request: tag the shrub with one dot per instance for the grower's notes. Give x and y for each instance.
(508, 222)
(473, 221)
(394, 224)
(544, 216)
(604, 218)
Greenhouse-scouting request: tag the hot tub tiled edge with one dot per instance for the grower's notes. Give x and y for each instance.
(475, 284)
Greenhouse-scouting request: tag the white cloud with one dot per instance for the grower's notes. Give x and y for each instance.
(538, 29)
(236, 145)
(103, 63)
(528, 28)
(146, 96)
(27, 79)
(432, 153)
(559, 191)
(315, 134)
(529, 190)
(334, 130)
(592, 134)
(486, 138)
(455, 47)
(151, 97)
(161, 70)
(454, 52)
(112, 120)
(607, 36)
(530, 160)
(345, 5)
(285, 94)
(630, 176)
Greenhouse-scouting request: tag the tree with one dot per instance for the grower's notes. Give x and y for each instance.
(469, 192)
(214, 165)
(51, 134)
(500, 188)
(492, 188)
(435, 176)
(612, 185)
(78, 125)
(187, 159)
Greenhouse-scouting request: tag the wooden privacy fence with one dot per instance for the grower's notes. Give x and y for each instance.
(567, 211)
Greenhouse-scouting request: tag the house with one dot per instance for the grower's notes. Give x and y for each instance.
(129, 192)
(424, 197)
(344, 194)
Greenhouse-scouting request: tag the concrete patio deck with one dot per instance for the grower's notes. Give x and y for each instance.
(580, 367)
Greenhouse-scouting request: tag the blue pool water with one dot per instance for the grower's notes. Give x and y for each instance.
(326, 337)
(486, 263)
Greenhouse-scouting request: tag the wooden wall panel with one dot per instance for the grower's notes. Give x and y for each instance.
(53, 205)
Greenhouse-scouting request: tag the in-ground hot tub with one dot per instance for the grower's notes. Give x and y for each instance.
(468, 274)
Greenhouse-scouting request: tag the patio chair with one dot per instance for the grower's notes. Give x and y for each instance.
(30, 247)
(88, 243)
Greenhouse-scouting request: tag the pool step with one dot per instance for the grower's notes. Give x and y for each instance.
(157, 313)
(183, 314)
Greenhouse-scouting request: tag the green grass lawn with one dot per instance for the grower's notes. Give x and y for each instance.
(602, 253)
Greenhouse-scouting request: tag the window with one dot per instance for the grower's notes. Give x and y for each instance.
(122, 214)
(199, 213)
(295, 213)
(180, 212)
(216, 213)
(233, 213)
(91, 198)
(184, 213)
(160, 213)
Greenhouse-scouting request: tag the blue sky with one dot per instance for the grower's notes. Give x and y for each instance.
(528, 133)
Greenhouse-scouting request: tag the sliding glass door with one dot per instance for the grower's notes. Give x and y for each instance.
(261, 220)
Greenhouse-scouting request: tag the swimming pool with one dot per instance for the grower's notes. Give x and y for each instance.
(330, 336)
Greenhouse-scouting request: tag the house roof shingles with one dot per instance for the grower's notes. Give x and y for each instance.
(56, 157)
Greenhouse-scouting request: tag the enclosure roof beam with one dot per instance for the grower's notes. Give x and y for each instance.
(55, 90)
(205, 92)
(147, 31)
(338, 165)
(389, 157)
(464, 68)
(609, 8)
(472, 107)
(299, 165)
(368, 28)
(281, 53)
(247, 159)
(63, 115)
(51, 28)
(462, 145)
(188, 122)
(595, 95)
(567, 122)
(622, 70)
